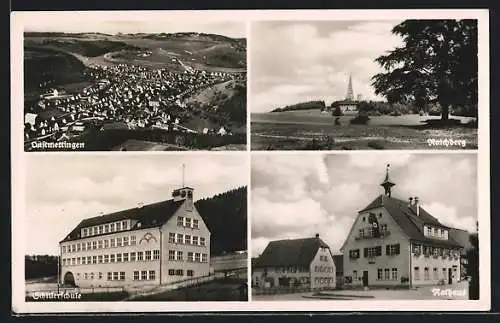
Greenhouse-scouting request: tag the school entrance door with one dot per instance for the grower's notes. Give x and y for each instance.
(365, 278)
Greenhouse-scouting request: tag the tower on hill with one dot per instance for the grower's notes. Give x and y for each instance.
(350, 93)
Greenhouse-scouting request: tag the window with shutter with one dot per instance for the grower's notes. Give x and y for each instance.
(397, 249)
(365, 252)
(388, 250)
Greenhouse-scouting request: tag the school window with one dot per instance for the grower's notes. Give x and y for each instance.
(110, 275)
(197, 257)
(116, 275)
(179, 272)
(180, 238)
(125, 257)
(106, 228)
(78, 247)
(379, 273)
(89, 245)
(112, 258)
(118, 257)
(202, 241)
(426, 273)
(94, 259)
(86, 276)
(195, 240)
(140, 256)
(189, 273)
(171, 272)
(122, 275)
(92, 230)
(99, 244)
(118, 226)
(180, 255)
(124, 225)
(99, 259)
(136, 275)
(204, 257)
(63, 249)
(394, 274)
(190, 256)
(85, 232)
(112, 227)
(148, 255)
(144, 275)
(92, 276)
(171, 255)
(156, 254)
(180, 221)
(187, 239)
(195, 223)
(132, 256)
(106, 259)
(152, 275)
(100, 275)
(132, 240)
(416, 272)
(171, 237)
(78, 260)
(89, 260)
(106, 243)
(118, 242)
(125, 241)
(94, 244)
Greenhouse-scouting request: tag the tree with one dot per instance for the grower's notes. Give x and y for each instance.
(437, 63)
(473, 265)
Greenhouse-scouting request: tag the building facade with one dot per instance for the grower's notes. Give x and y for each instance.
(298, 263)
(394, 242)
(153, 244)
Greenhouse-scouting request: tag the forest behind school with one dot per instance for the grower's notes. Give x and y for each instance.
(225, 215)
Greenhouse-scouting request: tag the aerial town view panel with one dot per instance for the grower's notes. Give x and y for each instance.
(104, 91)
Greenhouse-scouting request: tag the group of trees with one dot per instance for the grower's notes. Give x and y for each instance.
(40, 266)
(309, 105)
(226, 217)
(438, 63)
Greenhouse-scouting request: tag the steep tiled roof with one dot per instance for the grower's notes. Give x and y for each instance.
(149, 216)
(291, 252)
(411, 224)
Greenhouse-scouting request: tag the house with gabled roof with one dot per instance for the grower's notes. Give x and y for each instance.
(295, 263)
(153, 244)
(396, 242)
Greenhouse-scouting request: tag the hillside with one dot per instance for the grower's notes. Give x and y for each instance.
(226, 217)
(310, 105)
(221, 103)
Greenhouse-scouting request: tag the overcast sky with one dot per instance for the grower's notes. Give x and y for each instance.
(297, 196)
(294, 61)
(112, 23)
(62, 190)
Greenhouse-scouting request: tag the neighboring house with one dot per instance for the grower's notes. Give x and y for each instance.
(396, 242)
(462, 237)
(339, 269)
(295, 263)
(153, 244)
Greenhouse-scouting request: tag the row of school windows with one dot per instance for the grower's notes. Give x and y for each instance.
(187, 222)
(119, 275)
(186, 239)
(113, 258)
(106, 228)
(180, 272)
(100, 244)
(390, 250)
(178, 255)
(435, 273)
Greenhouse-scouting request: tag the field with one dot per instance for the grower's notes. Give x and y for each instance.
(311, 129)
(222, 290)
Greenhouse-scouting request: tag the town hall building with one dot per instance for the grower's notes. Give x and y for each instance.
(395, 242)
(152, 244)
(295, 263)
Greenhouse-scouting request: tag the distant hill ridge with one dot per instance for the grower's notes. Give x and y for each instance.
(309, 105)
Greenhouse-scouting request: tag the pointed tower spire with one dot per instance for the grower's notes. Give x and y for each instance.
(387, 184)
(350, 93)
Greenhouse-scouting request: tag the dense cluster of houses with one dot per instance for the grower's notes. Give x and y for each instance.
(135, 96)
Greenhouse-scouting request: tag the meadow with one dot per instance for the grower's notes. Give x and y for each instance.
(312, 129)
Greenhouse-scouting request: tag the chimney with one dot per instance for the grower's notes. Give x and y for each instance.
(411, 201)
(417, 205)
(317, 235)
